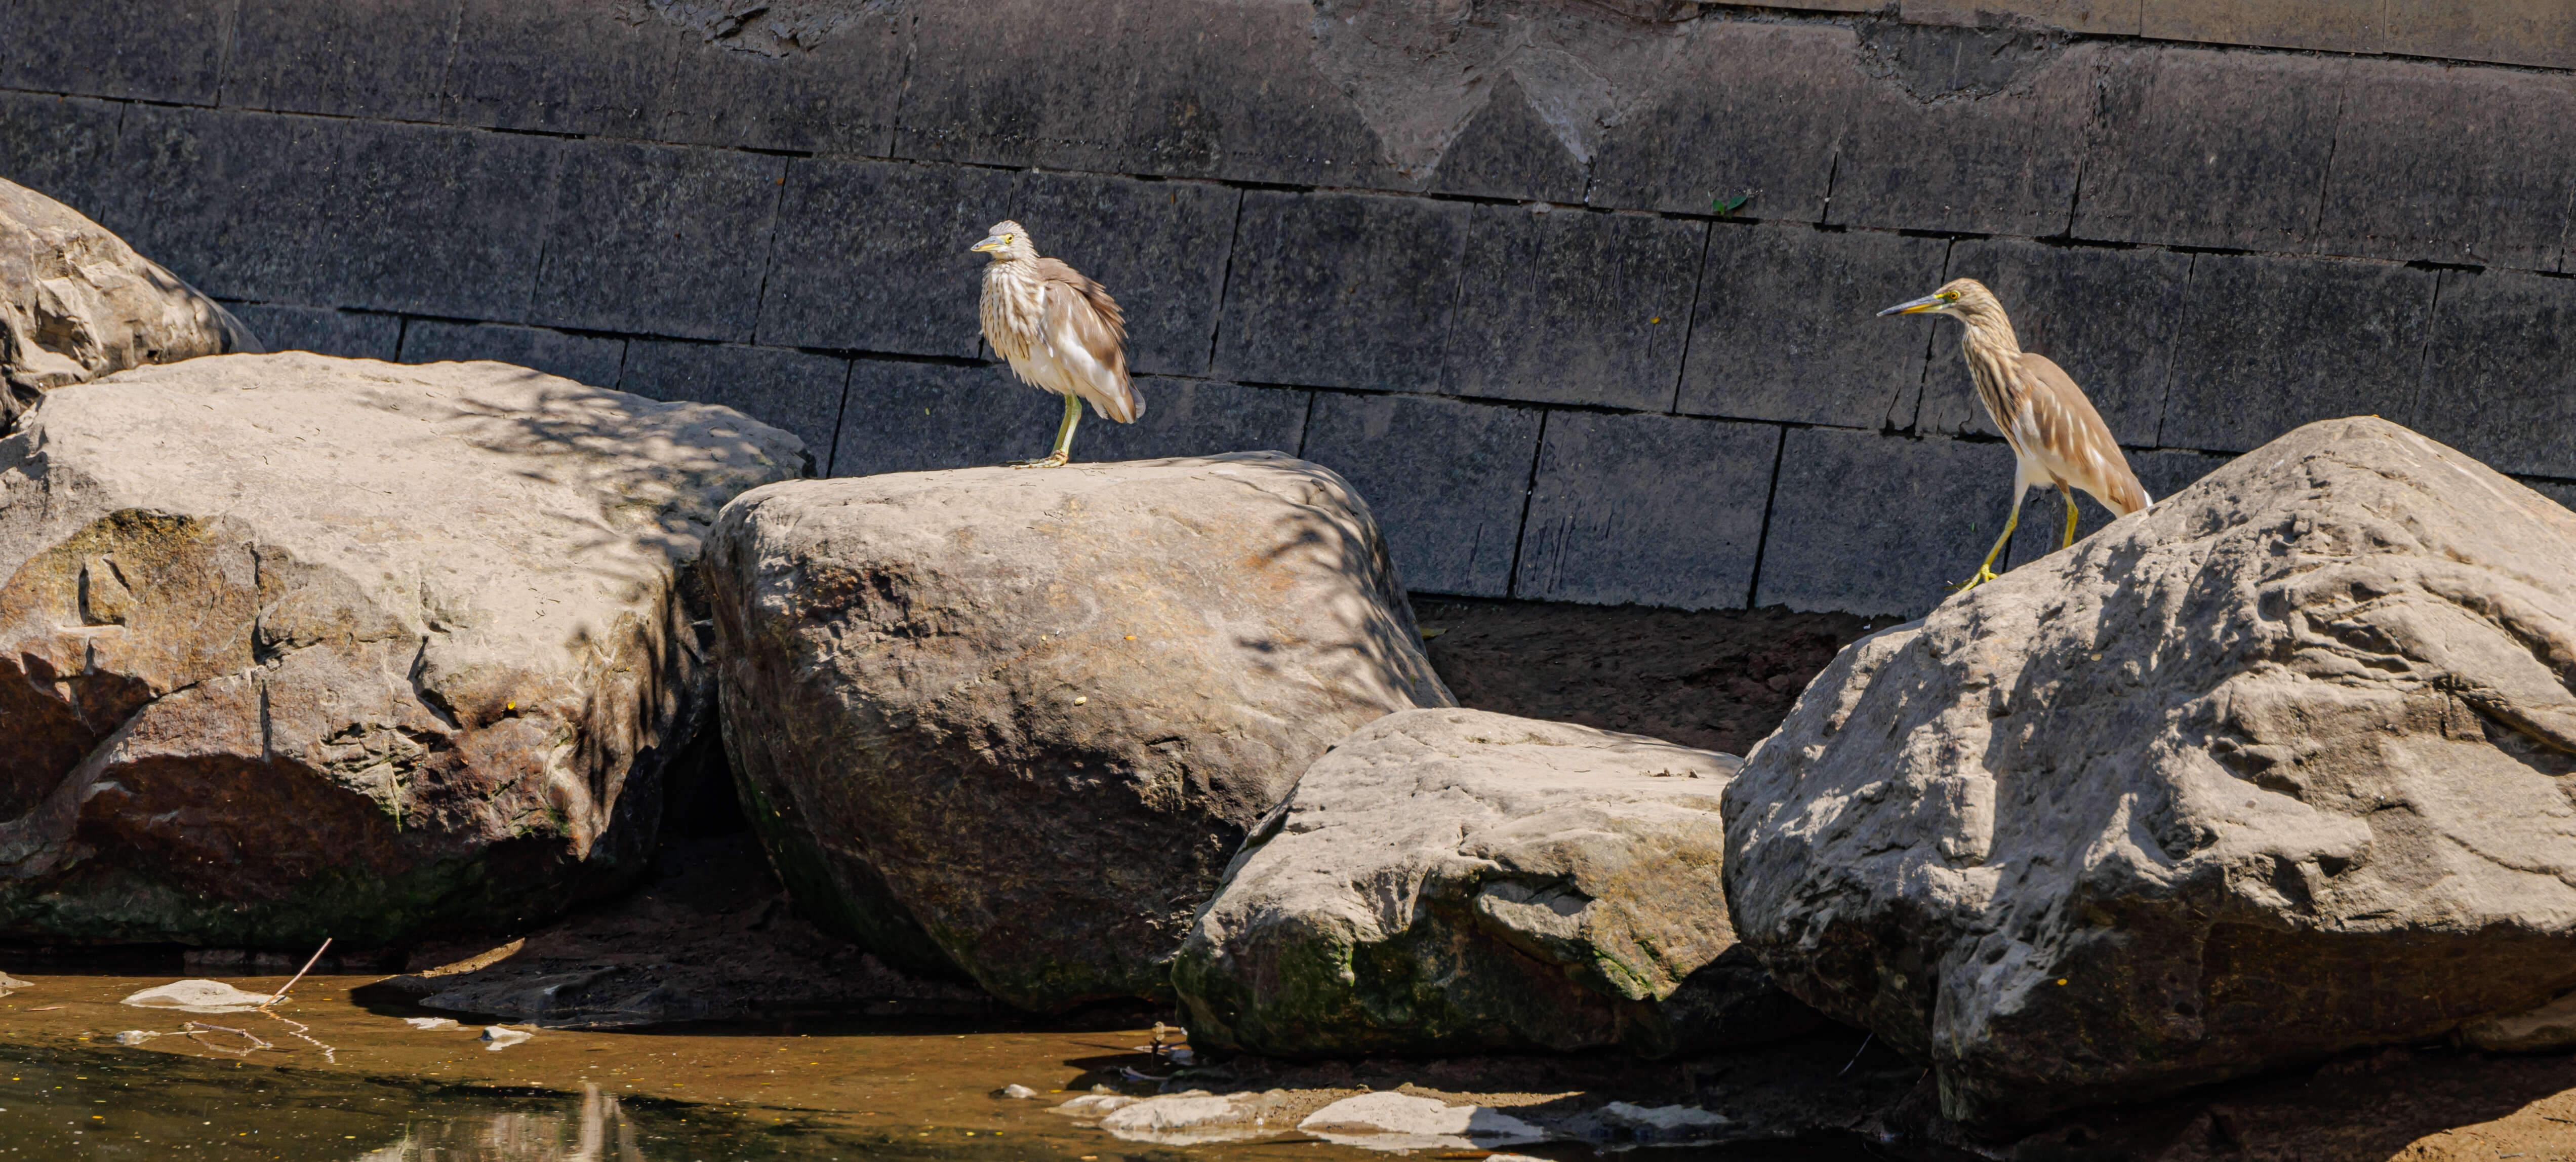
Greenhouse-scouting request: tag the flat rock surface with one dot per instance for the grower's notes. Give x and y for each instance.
(294, 646)
(1456, 880)
(77, 303)
(2275, 770)
(1013, 723)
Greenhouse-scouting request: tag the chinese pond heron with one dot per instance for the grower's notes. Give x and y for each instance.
(2057, 438)
(1060, 331)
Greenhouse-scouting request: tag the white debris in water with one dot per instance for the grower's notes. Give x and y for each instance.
(428, 1023)
(1021, 1092)
(1665, 1117)
(1092, 1105)
(198, 996)
(1404, 1121)
(502, 1038)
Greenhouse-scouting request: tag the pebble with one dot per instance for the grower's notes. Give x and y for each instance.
(1018, 1091)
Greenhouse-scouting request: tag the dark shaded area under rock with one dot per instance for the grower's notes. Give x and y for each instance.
(711, 936)
(2429, 1103)
(1715, 679)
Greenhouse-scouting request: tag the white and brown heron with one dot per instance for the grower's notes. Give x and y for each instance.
(2056, 436)
(1060, 331)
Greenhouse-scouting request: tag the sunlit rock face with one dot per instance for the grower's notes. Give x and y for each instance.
(294, 646)
(77, 303)
(1014, 723)
(2278, 768)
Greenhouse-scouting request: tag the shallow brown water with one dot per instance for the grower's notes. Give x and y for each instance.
(332, 1075)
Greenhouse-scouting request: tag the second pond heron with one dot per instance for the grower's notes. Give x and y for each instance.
(1060, 331)
(2056, 436)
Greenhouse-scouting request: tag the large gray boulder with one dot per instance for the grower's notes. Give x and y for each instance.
(1459, 881)
(295, 647)
(2278, 768)
(1013, 723)
(77, 303)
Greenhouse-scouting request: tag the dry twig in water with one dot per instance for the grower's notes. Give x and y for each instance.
(315, 959)
(192, 1027)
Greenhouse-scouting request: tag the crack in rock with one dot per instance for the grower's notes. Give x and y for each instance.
(756, 26)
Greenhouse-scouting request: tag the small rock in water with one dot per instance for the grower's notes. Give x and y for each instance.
(198, 996)
(1663, 1125)
(1018, 1091)
(1196, 1118)
(134, 1037)
(502, 1038)
(427, 1023)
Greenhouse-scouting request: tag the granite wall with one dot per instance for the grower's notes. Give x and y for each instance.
(1465, 251)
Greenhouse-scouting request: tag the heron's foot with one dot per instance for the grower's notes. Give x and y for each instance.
(1984, 574)
(1055, 460)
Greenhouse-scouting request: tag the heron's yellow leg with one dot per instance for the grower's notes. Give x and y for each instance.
(2069, 494)
(1986, 572)
(1063, 438)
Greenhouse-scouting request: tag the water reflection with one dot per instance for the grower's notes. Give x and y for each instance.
(68, 1102)
(598, 1132)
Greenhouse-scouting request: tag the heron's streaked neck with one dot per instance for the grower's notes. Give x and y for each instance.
(1990, 333)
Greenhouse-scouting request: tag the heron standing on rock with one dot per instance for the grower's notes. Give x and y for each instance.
(2056, 436)
(1061, 332)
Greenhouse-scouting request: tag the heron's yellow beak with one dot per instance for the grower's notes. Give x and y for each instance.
(988, 245)
(1915, 307)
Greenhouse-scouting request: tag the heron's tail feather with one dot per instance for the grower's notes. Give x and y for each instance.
(2127, 495)
(1119, 402)
(1123, 406)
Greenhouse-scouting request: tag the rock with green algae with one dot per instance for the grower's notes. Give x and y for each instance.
(1452, 881)
(295, 647)
(1012, 724)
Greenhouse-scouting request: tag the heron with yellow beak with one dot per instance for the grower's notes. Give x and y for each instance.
(2056, 436)
(1060, 332)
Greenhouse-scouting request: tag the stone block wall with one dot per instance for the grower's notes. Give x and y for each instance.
(1466, 253)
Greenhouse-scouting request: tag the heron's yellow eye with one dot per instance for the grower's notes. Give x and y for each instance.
(1006, 239)
(1949, 296)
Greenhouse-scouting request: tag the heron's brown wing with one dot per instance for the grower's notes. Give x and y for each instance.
(1077, 307)
(2062, 424)
(1055, 274)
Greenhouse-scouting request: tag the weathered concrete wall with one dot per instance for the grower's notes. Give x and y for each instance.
(1461, 250)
